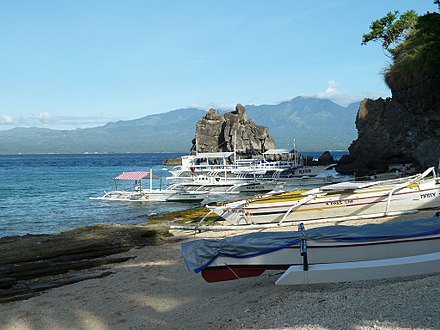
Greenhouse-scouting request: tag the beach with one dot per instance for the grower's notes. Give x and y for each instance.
(155, 290)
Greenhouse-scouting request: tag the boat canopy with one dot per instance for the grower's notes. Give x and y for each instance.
(214, 154)
(135, 176)
(276, 152)
(349, 185)
(199, 254)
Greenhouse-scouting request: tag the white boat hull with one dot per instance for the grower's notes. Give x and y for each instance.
(228, 187)
(362, 270)
(340, 247)
(291, 207)
(332, 252)
(138, 194)
(153, 196)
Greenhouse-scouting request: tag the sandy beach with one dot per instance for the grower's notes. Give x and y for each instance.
(155, 290)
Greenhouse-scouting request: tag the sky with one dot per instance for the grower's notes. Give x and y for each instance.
(82, 63)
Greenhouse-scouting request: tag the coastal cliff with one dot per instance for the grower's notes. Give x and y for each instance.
(406, 127)
(216, 132)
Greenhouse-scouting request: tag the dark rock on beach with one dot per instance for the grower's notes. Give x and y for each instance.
(30, 263)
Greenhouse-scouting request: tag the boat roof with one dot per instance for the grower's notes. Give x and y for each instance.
(349, 185)
(135, 176)
(214, 154)
(276, 151)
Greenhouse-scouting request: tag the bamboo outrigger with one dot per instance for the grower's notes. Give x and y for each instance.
(337, 202)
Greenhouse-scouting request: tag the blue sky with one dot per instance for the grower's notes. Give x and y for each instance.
(73, 64)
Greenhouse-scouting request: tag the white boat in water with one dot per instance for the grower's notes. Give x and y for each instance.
(220, 185)
(321, 255)
(268, 168)
(139, 194)
(214, 172)
(345, 200)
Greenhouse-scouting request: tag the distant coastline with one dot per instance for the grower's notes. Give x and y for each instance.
(308, 121)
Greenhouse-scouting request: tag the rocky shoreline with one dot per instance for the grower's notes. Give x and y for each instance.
(33, 263)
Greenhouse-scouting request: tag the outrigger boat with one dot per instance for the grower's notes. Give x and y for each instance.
(139, 194)
(216, 164)
(217, 185)
(340, 201)
(321, 255)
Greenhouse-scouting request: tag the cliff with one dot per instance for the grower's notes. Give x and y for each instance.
(216, 132)
(406, 127)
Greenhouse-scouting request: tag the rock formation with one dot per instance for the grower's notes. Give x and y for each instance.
(405, 128)
(216, 132)
(33, 263)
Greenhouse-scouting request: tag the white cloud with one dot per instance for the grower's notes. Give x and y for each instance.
(332, 93)
(47, 120)
(45, 117)
(331, 90)
(5, 119)
(217, 106)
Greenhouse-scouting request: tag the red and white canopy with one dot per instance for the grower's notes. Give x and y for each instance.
(134, 176)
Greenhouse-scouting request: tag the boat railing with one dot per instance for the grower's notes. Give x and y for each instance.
(276, 176)
(302, 201)
(416, 178)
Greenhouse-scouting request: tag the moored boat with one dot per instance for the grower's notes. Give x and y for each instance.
(268, 168)
(341, 200)
(323, 254)
(140, 194)
(218, 185)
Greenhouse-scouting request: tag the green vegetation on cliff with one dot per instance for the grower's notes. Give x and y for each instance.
(418, 58)
(413, 43)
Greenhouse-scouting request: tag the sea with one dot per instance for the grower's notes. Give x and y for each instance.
(44, 194)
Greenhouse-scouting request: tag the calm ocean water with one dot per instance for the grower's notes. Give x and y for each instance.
(50, 193)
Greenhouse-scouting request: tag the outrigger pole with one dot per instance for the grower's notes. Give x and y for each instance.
(287, 224)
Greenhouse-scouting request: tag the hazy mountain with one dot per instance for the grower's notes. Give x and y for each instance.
(316, 124)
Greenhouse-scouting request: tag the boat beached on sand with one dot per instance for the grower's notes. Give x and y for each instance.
(139, 194)
(321, 255)
(340, 201)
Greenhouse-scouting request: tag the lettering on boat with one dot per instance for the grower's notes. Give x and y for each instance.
(427, 195)
(305, 170)
(341, 202)
(254, 187)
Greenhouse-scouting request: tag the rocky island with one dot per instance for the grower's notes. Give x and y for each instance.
(232, 131)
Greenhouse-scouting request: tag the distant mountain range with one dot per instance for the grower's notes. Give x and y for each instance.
(315, 124)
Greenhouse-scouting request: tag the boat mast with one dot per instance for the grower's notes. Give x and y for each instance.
(196, 145)
(235, 146)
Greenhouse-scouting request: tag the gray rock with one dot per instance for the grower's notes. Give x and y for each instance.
(404, 129)
(239, 109)
(216, 132)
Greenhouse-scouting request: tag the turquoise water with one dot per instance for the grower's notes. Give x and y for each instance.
(50, 193)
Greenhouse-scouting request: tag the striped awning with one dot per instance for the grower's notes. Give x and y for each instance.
(133, 176)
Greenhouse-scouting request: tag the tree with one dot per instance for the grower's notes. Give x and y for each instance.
(392, 29)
